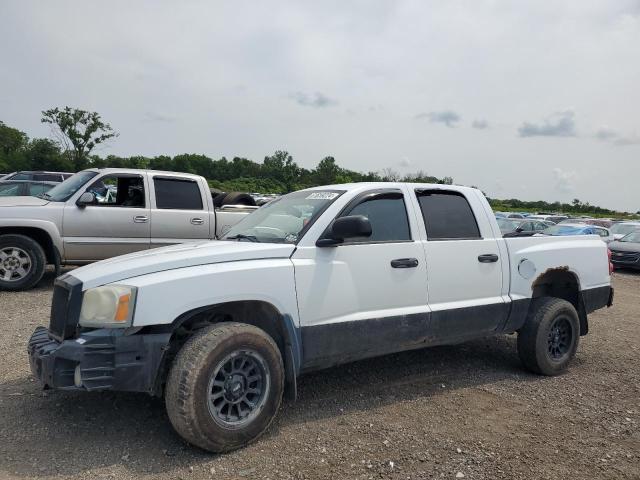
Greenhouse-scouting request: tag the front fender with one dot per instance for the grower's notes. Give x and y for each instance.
(48, 226)
(164, 296)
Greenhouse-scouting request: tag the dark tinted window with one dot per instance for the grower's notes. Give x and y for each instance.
(177, 194)
(447, 215)
(47, 177)
(388, 217)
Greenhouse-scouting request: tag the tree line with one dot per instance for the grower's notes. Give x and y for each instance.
(77, 132)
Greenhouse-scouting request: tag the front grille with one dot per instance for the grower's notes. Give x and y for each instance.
(625, 257)
(59, 309)
(65, 307)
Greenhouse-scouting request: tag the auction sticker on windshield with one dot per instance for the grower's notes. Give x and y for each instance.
(322, 196)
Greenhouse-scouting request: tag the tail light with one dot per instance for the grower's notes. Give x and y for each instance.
(609, 260)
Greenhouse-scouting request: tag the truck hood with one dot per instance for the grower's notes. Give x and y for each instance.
(22, 202)
(176, 256)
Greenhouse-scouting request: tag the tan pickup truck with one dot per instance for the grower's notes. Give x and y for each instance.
(102, 213)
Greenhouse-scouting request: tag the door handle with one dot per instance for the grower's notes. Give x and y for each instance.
(488, 258)
(140, 219)
(197, 221)
(404, 263)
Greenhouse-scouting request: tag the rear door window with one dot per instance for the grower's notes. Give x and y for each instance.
(177, 194)
(447, 216)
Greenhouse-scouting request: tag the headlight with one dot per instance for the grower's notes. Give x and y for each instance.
(110, 306)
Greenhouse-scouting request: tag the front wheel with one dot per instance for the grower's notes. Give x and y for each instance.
(225, 386)
(549, 339)
(22, 262)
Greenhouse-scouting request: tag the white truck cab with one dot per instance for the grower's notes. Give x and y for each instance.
(315, 278)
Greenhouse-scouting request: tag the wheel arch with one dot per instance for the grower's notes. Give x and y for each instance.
(562, 282)
(259, 313)
(39, 235)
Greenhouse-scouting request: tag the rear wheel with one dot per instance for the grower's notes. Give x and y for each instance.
(22, 262)
(225, 386)
(549, 339)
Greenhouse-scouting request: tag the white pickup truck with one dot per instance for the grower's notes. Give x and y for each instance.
(101, 213)
(314, 279)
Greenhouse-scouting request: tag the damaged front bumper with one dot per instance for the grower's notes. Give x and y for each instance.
(103, 359)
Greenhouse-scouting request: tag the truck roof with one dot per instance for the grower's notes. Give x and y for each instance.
(142, 170)
(367, 185)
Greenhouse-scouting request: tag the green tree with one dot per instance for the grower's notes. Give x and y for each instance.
(45, 154)
(78, 132)
(11, 139)
(280, 166)
(326, 172)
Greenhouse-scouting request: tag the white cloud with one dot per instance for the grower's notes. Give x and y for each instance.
(446, 117)
(560, 124)
(480, 124)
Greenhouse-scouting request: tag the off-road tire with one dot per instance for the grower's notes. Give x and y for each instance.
(187, 389)
(217, 196)
(535, 337)
(38, 261)
(238, 198)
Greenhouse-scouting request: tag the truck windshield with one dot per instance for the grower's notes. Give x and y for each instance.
(285, 219)
(65, 190)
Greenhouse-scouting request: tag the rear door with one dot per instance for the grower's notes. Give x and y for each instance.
(179, 211)
(464, 265)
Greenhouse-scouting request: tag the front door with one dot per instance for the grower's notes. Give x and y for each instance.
(118, 222)
(464, 267)
(366, 296)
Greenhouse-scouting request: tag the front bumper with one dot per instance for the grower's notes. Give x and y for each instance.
(103, 359)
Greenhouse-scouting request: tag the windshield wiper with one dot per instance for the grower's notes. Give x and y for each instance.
(44, 195)
(242, 236)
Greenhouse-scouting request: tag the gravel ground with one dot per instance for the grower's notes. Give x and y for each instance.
(467, 411)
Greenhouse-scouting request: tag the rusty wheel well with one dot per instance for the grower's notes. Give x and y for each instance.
(258, 313)
(562, 283)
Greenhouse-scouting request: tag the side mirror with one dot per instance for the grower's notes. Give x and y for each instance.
(343, 228)
(519, 229)
(87, 198)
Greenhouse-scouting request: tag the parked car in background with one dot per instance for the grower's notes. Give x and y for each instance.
(548, 218)
(524, 228)
(40, 176)
(21, 188)
(621, 229)
(101, 213)
(569, 229)
(626, 251)
(601, 222)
